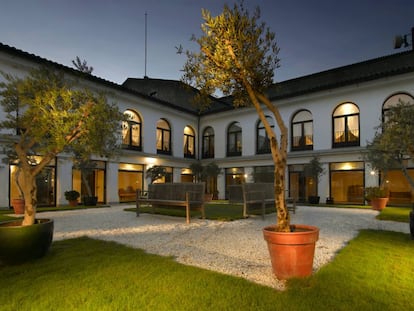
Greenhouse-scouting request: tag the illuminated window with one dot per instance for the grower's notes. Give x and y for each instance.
(131, 131)
(163, 137)
(262, 140)
(234, 140)
(302, 131)
(208, 143)
(345, 121)
(189, 142)
(394, 100)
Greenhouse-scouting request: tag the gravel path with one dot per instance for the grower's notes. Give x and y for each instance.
(235, 248)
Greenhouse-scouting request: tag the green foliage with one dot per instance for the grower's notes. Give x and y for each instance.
(238, 57)
(72, 195)
(393, 143)
(204, 172)
(46, 114)
(235, 49)
(314, 168)
(56, 116)
(374, 193)
(156, 172)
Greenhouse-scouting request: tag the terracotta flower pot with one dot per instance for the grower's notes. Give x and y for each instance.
(73, 202)
(18, 206)
(291, 253)
(379, 204)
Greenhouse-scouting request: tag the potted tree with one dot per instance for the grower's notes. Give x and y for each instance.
(208, 174)
(72, 196)
(46, 115)
(238, 56)
(314, 170)
(156, 172)
(385, 152)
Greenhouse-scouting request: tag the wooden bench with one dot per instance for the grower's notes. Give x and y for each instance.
(187, 195)
(256, 196)
(400, 197)
(126, 195)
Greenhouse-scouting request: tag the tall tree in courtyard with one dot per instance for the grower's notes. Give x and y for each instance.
(238, 56)
(393, 143)
(46, 115)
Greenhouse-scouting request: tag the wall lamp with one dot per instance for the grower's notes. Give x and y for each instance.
(403, 41)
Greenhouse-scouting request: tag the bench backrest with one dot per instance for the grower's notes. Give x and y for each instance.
(253, 191)
(267, 189)
(235, 194)
(177, 191)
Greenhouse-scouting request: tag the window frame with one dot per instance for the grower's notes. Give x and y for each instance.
(188, 140)
(346, 132)
(208, 140)
(302, 140)
(265, 147)
(237, 135)
(127, 142)
(163, 133)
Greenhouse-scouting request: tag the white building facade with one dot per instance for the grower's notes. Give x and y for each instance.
(330, 115)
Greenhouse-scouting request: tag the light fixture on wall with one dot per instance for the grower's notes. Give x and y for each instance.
(403, 40)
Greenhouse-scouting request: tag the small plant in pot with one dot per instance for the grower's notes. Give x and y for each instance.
(238, 56)
(72, 196)
(45, 115)
(314, 170)
(207, 173)
(377, 197)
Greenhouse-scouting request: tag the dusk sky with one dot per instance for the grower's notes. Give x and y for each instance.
(110, 34)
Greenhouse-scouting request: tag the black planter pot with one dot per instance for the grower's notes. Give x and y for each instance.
(412, 224)
(24, 243)
(90, 201)
(313, 199)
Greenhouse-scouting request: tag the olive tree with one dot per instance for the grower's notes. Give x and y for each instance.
(46, 115)
(393, 143)
(238, 56)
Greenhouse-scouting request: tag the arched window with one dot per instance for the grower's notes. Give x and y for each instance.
(234, 140)
(262, 140)
(208, 143)
(131, 131)
(302, 131)
(345, 121)
(163, 137)
(394, 100)
(189, 142)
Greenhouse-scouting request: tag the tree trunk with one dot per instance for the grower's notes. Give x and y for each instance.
(86, 182)
(28, 185)
(283, 217)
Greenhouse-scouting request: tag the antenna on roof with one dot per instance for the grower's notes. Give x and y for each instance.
(403, 41)
(145, 60)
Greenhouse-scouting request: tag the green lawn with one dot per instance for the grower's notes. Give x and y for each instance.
(400, 214)
(373, 272)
